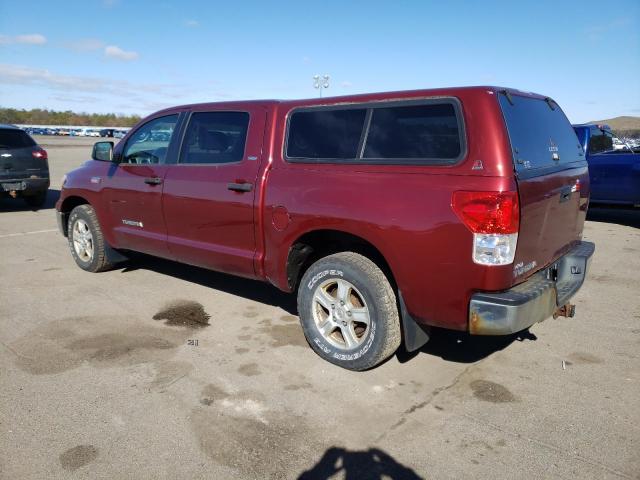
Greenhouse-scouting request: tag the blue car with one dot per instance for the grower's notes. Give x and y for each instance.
(614, 168)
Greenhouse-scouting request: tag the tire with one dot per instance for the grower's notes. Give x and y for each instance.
(352, 288)
(37, 200)
(85, 229)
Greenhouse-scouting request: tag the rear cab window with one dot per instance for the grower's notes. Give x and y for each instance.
(422, 132)
(542, 138)
(12, 138)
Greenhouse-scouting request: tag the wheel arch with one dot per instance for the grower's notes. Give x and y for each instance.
(67, 205)
(315, 244)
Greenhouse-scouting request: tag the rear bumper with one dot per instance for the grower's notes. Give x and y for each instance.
(27, 186)
(532, 301)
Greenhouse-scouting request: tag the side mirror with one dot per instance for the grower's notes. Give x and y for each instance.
(102, 151)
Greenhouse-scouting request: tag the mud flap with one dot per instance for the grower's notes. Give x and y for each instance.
(414, 334)
(113, 256)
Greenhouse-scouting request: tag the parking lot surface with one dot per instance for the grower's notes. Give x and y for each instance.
(161, 370)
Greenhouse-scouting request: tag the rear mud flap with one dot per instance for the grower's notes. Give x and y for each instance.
(415, 335)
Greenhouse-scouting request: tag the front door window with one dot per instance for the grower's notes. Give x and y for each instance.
(149, 144)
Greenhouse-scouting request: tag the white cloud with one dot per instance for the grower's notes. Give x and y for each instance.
(100, 93)
(112, 51)
(29, 39)
(110, 3)
(74, 98)
(32, 39)
(21, 75)
(595, 32)
(346, 84)
(191, 23)
(306, 60)
(85, 45)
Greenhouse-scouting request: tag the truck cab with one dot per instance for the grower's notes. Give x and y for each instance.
(614, 166)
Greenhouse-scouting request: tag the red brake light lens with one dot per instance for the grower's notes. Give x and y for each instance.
(40, 153)
(488, 212)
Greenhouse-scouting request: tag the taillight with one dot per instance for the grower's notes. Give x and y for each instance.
(494, 219)
(41, 154)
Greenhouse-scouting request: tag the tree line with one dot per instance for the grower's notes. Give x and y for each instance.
(38, 116)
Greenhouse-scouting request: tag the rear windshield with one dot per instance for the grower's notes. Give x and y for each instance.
(540, 134)
(10, 138)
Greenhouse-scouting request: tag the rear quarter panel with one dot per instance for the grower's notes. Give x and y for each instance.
(404, 211)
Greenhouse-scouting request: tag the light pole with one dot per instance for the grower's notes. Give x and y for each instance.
(320, 82)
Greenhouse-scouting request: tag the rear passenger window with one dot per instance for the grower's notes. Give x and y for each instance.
(215, 137)
(414, 132)
(424, 132)
(325, 134)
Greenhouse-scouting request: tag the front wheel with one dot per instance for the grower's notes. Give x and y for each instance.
(348, 311)
(86, 242)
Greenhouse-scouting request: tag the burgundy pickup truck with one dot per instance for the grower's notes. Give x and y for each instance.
(386, 213)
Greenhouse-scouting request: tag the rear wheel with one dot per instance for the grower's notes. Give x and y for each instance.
(86, 242)
(348, 311)
(36, 200)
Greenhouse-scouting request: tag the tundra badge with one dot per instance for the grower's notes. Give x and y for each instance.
(133, 223)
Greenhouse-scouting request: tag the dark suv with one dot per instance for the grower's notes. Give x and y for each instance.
(24, 167)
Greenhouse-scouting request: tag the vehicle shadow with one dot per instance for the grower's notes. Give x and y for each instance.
(461, 347)
(241, 287)
(372, 464)
(19, 205)
(450, 345)
(626, 216)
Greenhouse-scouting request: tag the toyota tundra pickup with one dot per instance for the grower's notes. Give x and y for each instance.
(386, 213)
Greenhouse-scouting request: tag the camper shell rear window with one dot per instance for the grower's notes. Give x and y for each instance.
(415, 132)
(542, 138)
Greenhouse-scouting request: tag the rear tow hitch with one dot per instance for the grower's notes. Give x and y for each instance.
(568, 310)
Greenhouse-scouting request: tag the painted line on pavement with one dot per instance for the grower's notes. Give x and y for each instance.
(28, 233)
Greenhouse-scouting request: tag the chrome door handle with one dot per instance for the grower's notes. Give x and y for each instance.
(153, 180)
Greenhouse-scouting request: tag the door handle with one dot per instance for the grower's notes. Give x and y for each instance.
(239, 187)
(153, 180)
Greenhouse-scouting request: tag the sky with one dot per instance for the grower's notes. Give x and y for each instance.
(135, 56)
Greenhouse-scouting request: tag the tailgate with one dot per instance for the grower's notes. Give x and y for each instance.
(552, 177)
(16, 154)
(18, 163)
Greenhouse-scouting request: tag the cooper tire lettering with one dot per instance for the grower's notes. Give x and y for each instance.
(323, 274)
(371, 289)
